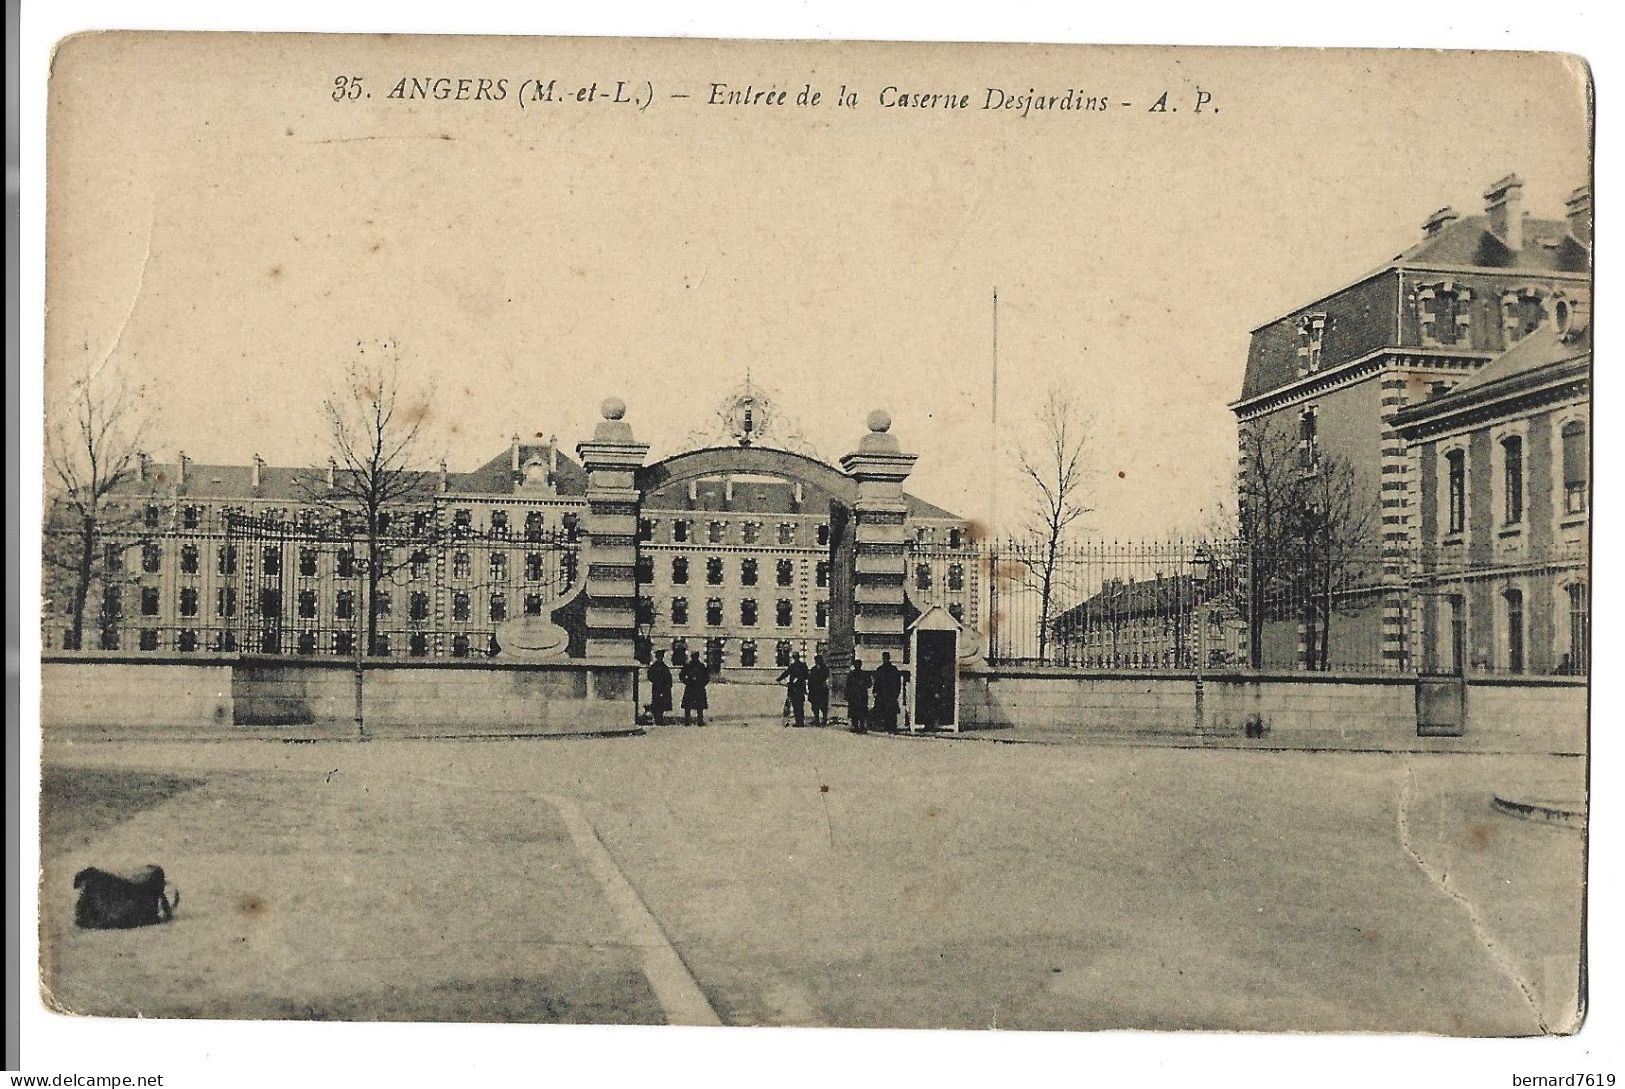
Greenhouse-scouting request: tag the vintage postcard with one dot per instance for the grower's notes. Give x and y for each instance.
(816, 534)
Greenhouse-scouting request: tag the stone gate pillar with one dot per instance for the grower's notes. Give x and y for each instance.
(610, 533)
(880, 515)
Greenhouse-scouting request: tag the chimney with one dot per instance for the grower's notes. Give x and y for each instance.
(443, 484)
(184, 464)
(259, 464)
(728, 489)
(1579, 211)
(1503, 203)
(553, 460)
(332, 471)
(513, 456)
(142, 461)
(1438, 221)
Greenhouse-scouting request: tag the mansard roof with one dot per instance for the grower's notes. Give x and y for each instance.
(302, 483)
(1366, 314)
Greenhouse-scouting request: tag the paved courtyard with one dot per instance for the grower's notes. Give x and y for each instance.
(756, 875)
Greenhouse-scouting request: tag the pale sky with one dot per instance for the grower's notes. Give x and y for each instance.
(228, 233)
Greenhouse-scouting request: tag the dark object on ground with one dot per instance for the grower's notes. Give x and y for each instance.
(111, 901)
(1256, 726)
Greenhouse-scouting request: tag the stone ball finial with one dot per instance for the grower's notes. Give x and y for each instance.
(880, 421)
(613, 408)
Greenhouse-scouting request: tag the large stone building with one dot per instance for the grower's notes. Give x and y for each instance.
(734, 558)
(1502, 468)
(1331, 373)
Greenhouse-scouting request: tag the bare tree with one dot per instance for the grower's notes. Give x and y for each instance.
(1056, 474)
(373, 433)
(94, 451)
(1305, 528)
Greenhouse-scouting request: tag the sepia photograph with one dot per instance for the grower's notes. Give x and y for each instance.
(818, 534)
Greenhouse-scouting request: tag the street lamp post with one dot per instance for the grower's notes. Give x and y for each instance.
(1201, 563)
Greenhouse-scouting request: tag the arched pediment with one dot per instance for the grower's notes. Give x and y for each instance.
(739, 460)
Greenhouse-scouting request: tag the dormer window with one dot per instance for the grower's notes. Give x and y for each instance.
(1311, 334)
(1522, 311)
(1442, 313)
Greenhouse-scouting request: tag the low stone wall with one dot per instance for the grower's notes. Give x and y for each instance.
(1537, 714)
(1295, 710)
(125, 692)
(569, 696)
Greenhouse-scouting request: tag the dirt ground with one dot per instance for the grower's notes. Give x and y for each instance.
(809, 877)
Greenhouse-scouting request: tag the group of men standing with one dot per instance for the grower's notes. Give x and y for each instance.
(873, 699)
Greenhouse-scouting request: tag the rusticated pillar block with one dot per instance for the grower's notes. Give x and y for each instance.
(610, 533)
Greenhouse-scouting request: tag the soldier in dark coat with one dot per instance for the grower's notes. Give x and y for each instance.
(888, 693)
(695, 676)
(857, 697)
(659, 688)
(794, 678)
(818, 690)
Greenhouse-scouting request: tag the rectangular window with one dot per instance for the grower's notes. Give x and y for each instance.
(460, 607)
(747, 653)
(307, 604)
(499, 567)
(1579, 656)
(499, 523)
(189, 559)
(383, 604)
(747, 612)
(307, 642)
(785, 572)
(713, 571)
(149, 601)
(271, 560)
(823, 533)
(270, 601)
(346, 563)
(462, 522)
(418, 644)
(189, 517)
(1514, 631)
(344, 605)
(645, 569)
(821, 614)
(922, 576)
(679, 610)
(225, 601)
(787, 533)
(152, 516)
(679, 571)
(533, 567)
(646, 529)
(460, 564)
(307, 562)
(752, 532)
(1575, 468)
(716, 532)
(148, 639)
(343, 642)
(783, 612)
(1456, 491)
(151, 557)
(713, 612)
(533, 604)
(189, 601)
(188, 641)
(747, 572)
(499, 608)
(113, 557)
(1512, 478)
(418, 607)
(679, 530)
(1308, 440)
(535, 523)
(956, 576)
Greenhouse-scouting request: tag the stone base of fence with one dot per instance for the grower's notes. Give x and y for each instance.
(1293, 710)
(227, 696)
